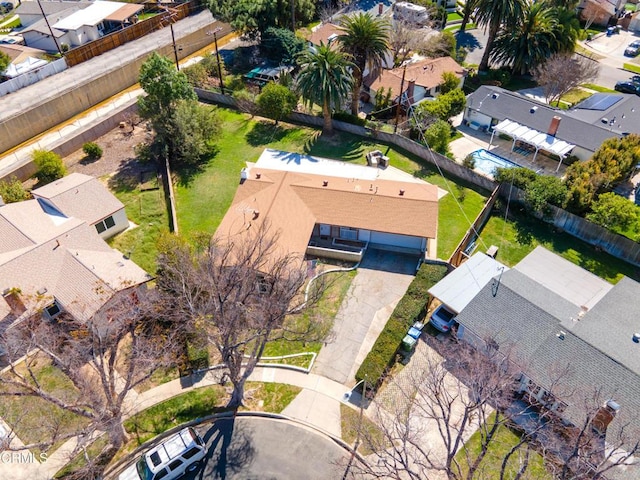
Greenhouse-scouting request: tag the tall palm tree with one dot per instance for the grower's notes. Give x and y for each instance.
(529, 41)
(366, 39)
(467, 10)
(567, 30)
(324, 79)
(493, 14)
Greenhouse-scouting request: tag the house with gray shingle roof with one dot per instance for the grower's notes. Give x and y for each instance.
(573, 337)
(53, 261)
(585, 126)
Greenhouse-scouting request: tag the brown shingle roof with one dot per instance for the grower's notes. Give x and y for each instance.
(426, 73)
(292, 203)
(322, 33)
(126, 11)
(80, 196)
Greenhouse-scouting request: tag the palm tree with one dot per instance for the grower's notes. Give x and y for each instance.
(324, 79)
(529, 41)
(366, 39)
(493, 14)
(567, 30)
(467, 10)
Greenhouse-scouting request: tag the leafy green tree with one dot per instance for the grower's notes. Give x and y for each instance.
(276, 101)
(5, 60)
(366, 39)
(12, 191)
(325, 80)
(616, 158)
(528, 40)
(493, 14)
(50, 166)
(437, 136)
(449, 82)
(92, 150)
(582, 180)
(193, 129)
(253, 17)
(545, 189)
(281, 45)
(444, 106)
(520, 177)
(197, 74)
(615, 213)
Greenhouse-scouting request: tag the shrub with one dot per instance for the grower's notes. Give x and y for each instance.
(411, 308)
(13, 191)
(349, 118)
(50, 166)
(469, 162)
(92, 150)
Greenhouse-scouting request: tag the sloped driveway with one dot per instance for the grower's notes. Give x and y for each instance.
(382, 280)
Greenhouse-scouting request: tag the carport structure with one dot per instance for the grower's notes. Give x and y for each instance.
(537, 139)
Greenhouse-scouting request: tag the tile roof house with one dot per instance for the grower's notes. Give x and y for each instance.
(565, 328)
(422, 79)
(51, 261)
(585, 126)
(84, 197)
(331, 208)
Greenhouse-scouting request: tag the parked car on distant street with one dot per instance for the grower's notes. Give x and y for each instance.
(633, 49)
(635, 79)
(442, 319)
(628, 87)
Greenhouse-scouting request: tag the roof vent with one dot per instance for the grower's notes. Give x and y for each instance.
(561, 334)
(533, 109)
(42, 291)
(401, 192)
(495, 95)
(256, 214)
(325, 183)
(636, 337)
(258, 175)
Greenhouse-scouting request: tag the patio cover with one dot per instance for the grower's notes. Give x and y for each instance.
(540, 140)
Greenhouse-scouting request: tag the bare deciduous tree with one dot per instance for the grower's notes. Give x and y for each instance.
(403, 40)
(237, 292)
(564, 72)
(104, 359)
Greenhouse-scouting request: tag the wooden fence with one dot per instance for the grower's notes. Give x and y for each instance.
(137, 30)
(612, 243)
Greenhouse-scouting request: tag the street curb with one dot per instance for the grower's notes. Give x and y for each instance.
(113, 472)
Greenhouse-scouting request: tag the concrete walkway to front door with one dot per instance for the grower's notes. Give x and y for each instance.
(373, 295)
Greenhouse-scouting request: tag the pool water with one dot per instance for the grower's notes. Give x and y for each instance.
(486, 162)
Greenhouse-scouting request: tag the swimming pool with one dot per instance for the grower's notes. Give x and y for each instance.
(487, 162)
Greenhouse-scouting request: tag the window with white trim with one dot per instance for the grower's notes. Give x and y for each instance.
(105, 224)
(348, 233)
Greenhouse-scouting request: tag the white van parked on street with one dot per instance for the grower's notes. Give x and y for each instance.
(170, 459)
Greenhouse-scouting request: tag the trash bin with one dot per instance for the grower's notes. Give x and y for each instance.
(589, 37)
(610, 31)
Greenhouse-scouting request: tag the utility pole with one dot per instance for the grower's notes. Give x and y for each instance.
(50, 29)
(404, 71)
(175, 49)
(293, 16)
(215, 40)
(359, 432)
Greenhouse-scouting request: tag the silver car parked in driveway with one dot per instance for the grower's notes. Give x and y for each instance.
(442, 319)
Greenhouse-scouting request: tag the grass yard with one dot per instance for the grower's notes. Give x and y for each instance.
(370, 437)
(588, 53)
(491, 465)
(202, 203)
(34, 419)
(632, 67)
(453, 16)
(576, 95)
(148, 210)
(268, 397)
(324, 311)
(597, 88)
(520, 234)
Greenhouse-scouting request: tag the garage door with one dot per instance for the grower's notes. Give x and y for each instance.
(395, 240)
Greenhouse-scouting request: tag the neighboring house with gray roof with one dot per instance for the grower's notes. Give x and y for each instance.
(572, 335)
(84, 197)
(30, 12)
(52, 262)
(582, 127)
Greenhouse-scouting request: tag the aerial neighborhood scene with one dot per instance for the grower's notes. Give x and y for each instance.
(320, 239)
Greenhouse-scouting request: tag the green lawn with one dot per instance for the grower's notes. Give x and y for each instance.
(575, 95)
(324, 311)
(521, 234)
(631, 67)
(371, 436)
(148, 210)
(597, 88)
(453, 16)
(491, 464)
(202, 203)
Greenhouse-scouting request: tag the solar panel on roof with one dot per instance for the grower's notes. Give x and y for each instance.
(599, 101)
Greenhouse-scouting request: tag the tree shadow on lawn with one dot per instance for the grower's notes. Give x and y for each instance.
(129, 175)
(187, 173)
(340, 145)
(265, 132)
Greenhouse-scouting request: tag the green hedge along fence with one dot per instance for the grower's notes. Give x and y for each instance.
(411, 308)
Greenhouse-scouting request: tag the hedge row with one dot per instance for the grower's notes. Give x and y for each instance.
(411, 308)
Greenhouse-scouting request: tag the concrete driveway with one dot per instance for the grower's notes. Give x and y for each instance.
(381, 282)
(266, 449)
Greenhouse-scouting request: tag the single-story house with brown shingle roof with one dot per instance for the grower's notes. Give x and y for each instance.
(334, 209)
(84, 197)
(422, 79)
(325, 33)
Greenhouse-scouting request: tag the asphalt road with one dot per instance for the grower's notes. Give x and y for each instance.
(253, 448)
